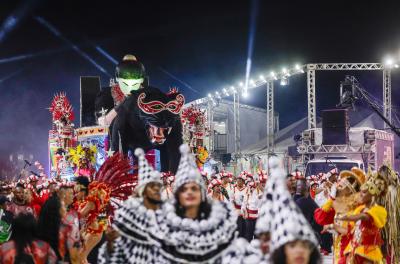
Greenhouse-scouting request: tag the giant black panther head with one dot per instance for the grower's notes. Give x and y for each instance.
(159, 112)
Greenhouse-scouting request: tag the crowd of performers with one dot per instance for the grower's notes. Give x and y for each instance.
(114, 216)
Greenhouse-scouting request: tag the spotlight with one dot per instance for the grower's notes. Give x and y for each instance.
(252, 82)
(284, 70)
(389, 62)
(226, 92)
(241, 84)
(245, 94)
(273, 75)
(284, 81)
(396, 66)
(299, 68)
(233, 89)
(262, 78)
(209, 95)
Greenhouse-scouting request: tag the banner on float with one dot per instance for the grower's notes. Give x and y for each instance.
(96, 136)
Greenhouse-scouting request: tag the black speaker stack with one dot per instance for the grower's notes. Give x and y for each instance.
(335, 127)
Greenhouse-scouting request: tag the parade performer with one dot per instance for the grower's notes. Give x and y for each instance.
(111, 185)
(83, 159)
(239, 192)
(168, 179)
(201, 156)
(226, 184)
(216, 192)
(54, 231)
(369, 219)
(5, 220)
(19, 202)
(71, 218)
(342, 202)
(250, 206)
(23, 246)
(62, 117)
(262, 177)
(292, 238)
(192, 229)
(135, 219)
(391, 201)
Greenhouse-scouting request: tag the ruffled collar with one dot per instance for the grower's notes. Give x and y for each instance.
(244, 252)
(133, 220)
(184, 239)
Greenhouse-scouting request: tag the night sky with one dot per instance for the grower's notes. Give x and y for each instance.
(202, 43)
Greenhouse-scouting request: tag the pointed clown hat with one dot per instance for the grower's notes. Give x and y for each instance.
(146, 172)
(187, 170)
(280, 214)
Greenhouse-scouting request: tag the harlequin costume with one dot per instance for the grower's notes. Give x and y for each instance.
(133, 221)
(184, 240)
(341, 206)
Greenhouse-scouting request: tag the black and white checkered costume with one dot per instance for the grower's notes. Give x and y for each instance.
(164, 237)
(243, 252)
(146, 172)
(183, 240)
(133, 221)
(279, 214)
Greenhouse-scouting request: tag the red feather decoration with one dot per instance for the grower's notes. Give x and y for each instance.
(61, 108)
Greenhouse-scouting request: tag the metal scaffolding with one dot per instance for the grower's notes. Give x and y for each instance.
(387, 98)
(236, 121)
(270, 116)
(311, 68)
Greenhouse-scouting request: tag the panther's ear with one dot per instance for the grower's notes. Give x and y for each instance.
(173, 92)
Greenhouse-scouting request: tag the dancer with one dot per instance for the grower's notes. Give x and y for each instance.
(239, 192)
(19, 203)
(342, 201)
(135, 219)
(192, 229)
(52, 230)
(113, 180)
(23, 247)
(250, 206)
(369, 218)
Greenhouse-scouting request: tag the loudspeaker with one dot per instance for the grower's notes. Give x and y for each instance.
(90, 87)
(335, 127)
(226, 158)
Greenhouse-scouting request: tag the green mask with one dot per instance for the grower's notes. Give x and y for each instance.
(128, 85)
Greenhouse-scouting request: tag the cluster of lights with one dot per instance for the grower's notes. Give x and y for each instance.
(390, 62)
(282, 75)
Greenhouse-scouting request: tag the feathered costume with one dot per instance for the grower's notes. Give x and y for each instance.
(112, 184)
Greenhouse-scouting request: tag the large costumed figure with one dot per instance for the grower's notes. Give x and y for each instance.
(141, 116)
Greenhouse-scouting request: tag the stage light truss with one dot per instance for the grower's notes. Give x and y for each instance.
(336, 149)
(311, 68)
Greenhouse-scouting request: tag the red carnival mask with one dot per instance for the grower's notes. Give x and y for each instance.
(155, 107)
